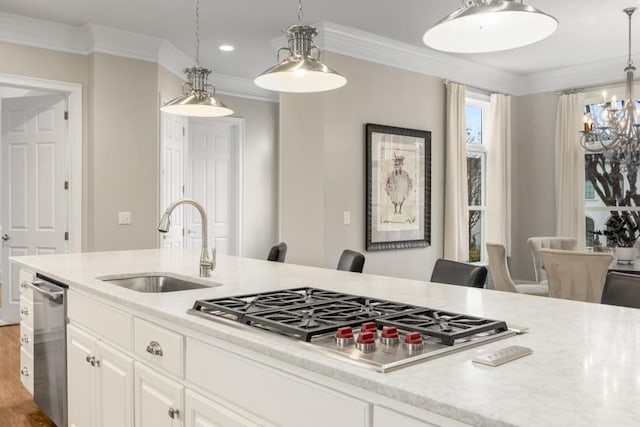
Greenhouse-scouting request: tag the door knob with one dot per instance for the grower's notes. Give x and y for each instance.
(5, 237)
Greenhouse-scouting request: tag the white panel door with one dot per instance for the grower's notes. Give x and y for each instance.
(114, 384)
(211, 181)
(172, 174)
(80, 377)
(158, 400)
(34, 199)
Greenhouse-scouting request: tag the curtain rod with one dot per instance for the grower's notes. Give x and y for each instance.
(592, 87)
(474, 88)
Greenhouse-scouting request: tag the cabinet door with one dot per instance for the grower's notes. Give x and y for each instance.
(158, 399)
(114, 387)
(202, 412)
(80, 377)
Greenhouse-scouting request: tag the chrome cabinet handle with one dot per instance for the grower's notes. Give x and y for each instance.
(173, 412)
(24, 285)
(154, 348)
(24, 371)
(24, 311)
(5, 237)
(25, 339)
(93, 361)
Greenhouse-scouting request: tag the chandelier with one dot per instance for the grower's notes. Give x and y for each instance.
(198, 98)
(300, 72)
(613, 127)
(479, 26)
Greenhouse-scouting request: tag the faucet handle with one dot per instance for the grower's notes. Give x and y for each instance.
(213, 259)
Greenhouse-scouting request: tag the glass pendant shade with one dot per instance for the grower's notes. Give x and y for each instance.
(300, 72)
(482, 26)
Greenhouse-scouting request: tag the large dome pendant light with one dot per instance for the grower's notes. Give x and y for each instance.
(300, 72)
(481, 26)
(198, 98)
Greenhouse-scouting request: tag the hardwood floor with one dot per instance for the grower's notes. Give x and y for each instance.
(16, 404)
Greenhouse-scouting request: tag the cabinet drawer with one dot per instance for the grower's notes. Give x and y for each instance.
(26, 311)
(26, 338)
(26, 277)
(26, 370)
(159, 346)
(264, 390)
(202, 411)
(107, 322)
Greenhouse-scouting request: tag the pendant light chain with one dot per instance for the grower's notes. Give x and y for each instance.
(198, 33)
(300, 13)
(629, 13)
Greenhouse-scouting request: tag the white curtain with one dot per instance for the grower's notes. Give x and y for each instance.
(498, 143)
(456, 215)
(569, 167)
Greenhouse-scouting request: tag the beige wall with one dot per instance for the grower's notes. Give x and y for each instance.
(123, 152)
(533, 185)
(322, 158)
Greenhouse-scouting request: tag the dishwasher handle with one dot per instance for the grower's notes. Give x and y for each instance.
(56, 296)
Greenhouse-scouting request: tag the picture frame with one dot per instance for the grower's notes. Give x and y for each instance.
(398, 187)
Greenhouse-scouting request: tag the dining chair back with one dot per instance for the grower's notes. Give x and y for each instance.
(351, 261)
(576, 275)
(622, 289)
(501, 277)
(278, 252)
(458, 273)
(537, 243)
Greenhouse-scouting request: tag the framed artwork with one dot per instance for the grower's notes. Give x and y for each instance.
(398, 187)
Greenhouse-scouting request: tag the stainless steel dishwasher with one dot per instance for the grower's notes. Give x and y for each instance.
(50, 348)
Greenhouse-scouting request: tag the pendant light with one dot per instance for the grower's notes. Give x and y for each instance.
(198, 98)
(489, 26)
(300, 72)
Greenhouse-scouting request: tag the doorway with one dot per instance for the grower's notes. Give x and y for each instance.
(201, 159)
(41, 169)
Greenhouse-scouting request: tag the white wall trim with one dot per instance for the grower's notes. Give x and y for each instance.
(74, 92)
(43, 34)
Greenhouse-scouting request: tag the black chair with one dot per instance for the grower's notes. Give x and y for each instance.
(351, 261)
(459, 273)
(278, 252)
(622, 289)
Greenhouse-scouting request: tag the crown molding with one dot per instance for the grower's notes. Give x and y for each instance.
(33, 32)
(122, 43)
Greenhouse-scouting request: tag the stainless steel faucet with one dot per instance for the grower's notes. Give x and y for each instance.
(207, 264)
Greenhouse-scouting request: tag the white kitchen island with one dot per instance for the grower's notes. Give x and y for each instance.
(584, 370)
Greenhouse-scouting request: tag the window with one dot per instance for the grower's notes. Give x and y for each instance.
(476, 110)
(612, 187)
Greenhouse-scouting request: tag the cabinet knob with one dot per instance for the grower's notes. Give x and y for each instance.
(154, 348)
(24, 311)
(25, 339)
(93, 361)
(24, 371)
(24, 285)
(174, 413)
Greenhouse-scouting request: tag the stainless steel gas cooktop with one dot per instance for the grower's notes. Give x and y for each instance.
(378, 334)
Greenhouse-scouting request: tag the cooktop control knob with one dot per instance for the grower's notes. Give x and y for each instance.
(369, 327)
(366, 342)
(390, 335)
(413, 341)
(344, 336)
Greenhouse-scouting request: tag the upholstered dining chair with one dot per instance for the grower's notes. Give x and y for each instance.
(502, 280)
(537, 243)
(351, 261)
(576, 275)
(458, 273)
(278, 252)
(622, 289)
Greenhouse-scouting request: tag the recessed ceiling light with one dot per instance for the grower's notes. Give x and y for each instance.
(226, 48)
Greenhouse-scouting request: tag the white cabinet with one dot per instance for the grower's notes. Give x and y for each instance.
(99, 382)
(202, 412)
(158, 399)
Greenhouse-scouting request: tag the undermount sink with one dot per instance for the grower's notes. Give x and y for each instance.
(156, 283)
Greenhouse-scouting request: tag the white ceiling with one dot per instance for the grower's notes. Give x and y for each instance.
(589, 31)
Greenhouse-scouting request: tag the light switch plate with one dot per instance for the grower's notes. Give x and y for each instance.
(124, 218)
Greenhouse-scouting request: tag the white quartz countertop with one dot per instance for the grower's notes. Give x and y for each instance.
(584, 370)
